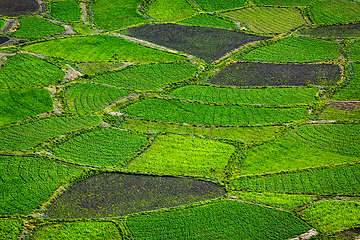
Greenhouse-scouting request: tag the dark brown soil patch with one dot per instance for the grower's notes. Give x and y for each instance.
(347, 106)
(3, 39)
(13, 8)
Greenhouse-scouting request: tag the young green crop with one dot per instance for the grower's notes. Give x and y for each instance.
(331, 113)
(11, 228)
(170, 10)
(352, 90)
(207, 20)
(97, 67)
(66, 10)
(214, 5)
(285, 2)
(355, 52)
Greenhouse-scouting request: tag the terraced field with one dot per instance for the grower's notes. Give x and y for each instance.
(179, 119)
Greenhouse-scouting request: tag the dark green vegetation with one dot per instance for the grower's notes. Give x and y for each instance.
(19, 104)
(266, 96)
(330, 180)
(223, 220)
(100, 48)
(103, 147)
(31, 134)
(10, 229)
(179, 155)
(36, 27)
(285, 2)
(195, 113)
(207, 20)
(341, 111)
(28, 70)
(202, 42)
(86, 98)
(12, 8)
(296, 50)
(352, 90)
(27, 182)
(355, 52)
(68, 10)
(266, 74)
(170, 10)
(147, 77)
(257, 19)
(345, 30)
(335, 11)
(213, 5)
(116, 194)
(78, 230)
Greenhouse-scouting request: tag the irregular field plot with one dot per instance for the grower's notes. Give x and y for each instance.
(236, 133)
(147, 77)
(13, 8)
(100, 48)
(36, 27)
(27, 70)
(195, 113)
(19, 104)
(111, 15)
(86, 98)
(351, 111)
(280, 96)
(68, 10)
(268, 19)
(342, 31)
(116, 194)
(207, 20)
(29, 135)
(97, 67)
(177, 155)
(11, 229)
(296, 50)
(331, 180)
(103, 147)
(329, 216)
(214, 5)
(355, 52)
(335, 11)
(170, 10)
(285, 2)
(202, 42)
(78, 230)
(352, 90)
(29, 181)
(270, 74)
(223, 220)
(3, 23)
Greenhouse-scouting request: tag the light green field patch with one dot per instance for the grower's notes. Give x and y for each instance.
(285, 2)
(207, 20)
(352, 90)
(66, 10)
(268, 19)
(3, 23)
(331, 113)
(296, 50)
(173, 154)
(170, 10)
(355, 52)
(97, 48)
(97, 67)
(215, 5)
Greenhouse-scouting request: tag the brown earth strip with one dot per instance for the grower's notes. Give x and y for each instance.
(347, 106)
(84, 14)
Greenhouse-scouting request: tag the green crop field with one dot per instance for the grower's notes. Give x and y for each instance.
(27, 70)
(86, 98)
(170, 10)
(91, 68)
(285, 2)
(342, 113)
(10, 228)
(351, 90)
(3, 23)
(213, 5)
(103, 147)
(207, 20)
(19, 104)
(81, 49)
(257, 19)
(296, 50)
(355, 52)
(147, 77)
(67, 10)
(35, 27)
(174, 154)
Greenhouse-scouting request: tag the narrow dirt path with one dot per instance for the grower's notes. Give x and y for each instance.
(312, 232)
(84, 13)
(8, 26)
(68, 30)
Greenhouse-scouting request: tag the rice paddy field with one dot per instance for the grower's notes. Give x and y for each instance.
(178, 119)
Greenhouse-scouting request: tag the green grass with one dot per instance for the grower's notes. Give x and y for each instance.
(284, 2)
(27, 70)
(195, 113)
(214, 5)
(83, 29)
(19, 104)
(177, 155)
(29, 181)
(103, 147)
(97, 67)
(330, 216)
(78, 230)
(207, 20)
(331, 113)
(147, 77)
(170, 10)
(340, 180)
(11, 229)
(355, 52)
(246, 134)
(66, 10)
(223, 220)
(352, 90)
(100, 48)
(268, 19)
(87, 98)
(111, 15)
(335, 11)
(295, 50)
(278, 200)
(31, 134)
(271, 96)
(3, 23)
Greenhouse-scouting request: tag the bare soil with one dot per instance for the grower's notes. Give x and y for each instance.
(347, 106)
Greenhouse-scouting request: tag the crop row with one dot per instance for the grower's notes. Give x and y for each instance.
(352, 90)
(66, 10)
(97, 67)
